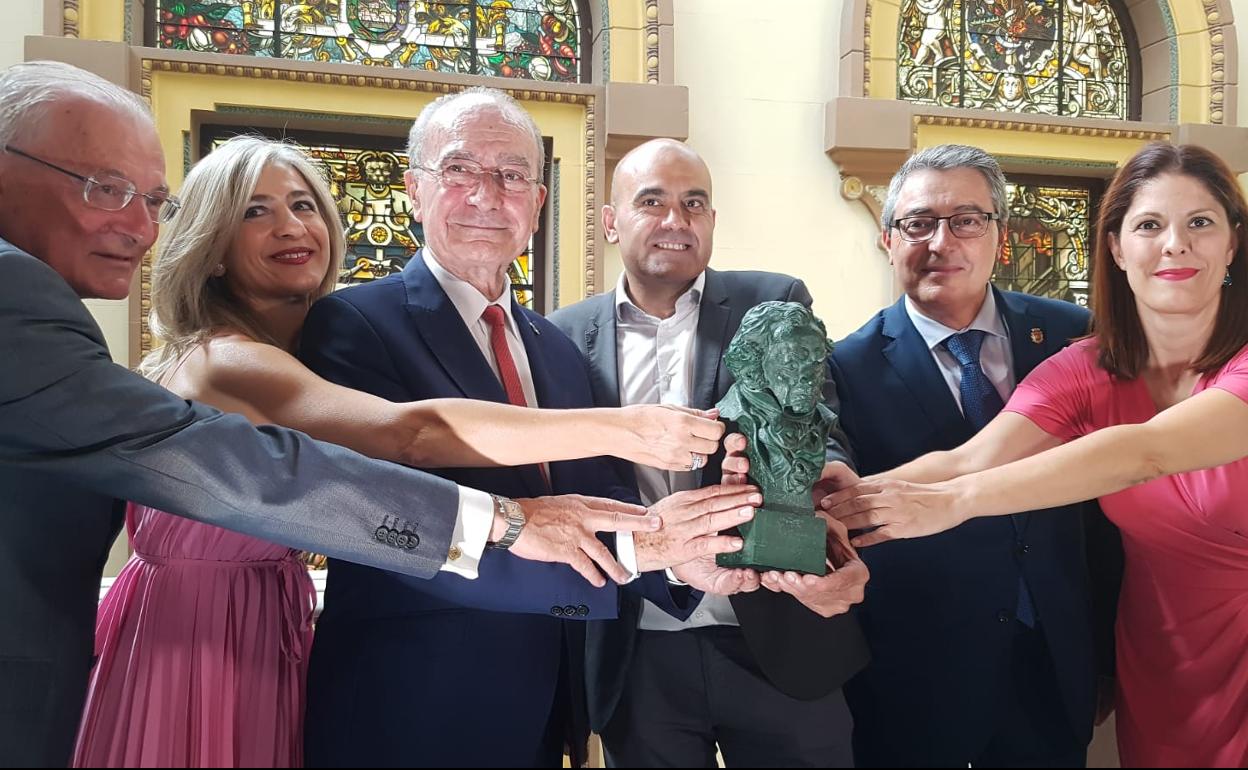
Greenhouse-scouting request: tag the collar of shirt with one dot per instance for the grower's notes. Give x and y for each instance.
(933, 332)
(464, 296)
(626, 310)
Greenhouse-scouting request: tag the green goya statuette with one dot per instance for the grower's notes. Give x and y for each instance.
(779, 360)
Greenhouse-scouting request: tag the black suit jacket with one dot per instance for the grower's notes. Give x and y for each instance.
(802, 654)
(938, 612)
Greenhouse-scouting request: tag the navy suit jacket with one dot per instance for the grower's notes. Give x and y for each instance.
(804, 655)
(449, 671)
(938, 612)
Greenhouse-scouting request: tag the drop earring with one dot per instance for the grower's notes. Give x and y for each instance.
(1226, 281)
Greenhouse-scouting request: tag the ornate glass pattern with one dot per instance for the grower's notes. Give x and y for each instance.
(1056, 57)
(1047, 247)
(533, 39)
(367, 184)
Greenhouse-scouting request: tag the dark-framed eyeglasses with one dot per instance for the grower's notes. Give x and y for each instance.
(966, 224)
(465, 173)
(111, 192)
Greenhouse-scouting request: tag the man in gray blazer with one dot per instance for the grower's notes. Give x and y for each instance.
(757, 674)
(82, 188)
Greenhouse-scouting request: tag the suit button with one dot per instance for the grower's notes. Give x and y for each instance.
(582, 610)
(382, 533)
(413, 539)
(570, 610)
(1003, 616)
(400, 540)
(392, 538)
(454, 553)
(557, 611)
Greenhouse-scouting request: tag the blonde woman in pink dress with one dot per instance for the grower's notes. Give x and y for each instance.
(1150, 415)
(203, 639)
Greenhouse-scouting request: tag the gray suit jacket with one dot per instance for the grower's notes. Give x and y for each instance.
(802, 654)
(79, 434)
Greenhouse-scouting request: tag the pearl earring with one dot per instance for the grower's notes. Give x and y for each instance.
(218, 271)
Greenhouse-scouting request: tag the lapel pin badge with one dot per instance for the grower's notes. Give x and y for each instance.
(1037, 336)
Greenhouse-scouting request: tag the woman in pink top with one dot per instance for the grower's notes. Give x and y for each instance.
(1150, 415)
(203, 639)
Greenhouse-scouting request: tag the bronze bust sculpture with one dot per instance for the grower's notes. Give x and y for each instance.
(779, 360)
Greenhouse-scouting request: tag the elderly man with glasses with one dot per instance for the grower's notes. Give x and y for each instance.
(402, 670)
(82, 190)
(982, 638)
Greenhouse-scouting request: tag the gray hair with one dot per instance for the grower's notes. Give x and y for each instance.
(29, 90)
(947, 157)
(477, 96)
(190, 303)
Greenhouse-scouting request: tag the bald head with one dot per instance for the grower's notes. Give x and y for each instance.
(661, 216)
(652, 154)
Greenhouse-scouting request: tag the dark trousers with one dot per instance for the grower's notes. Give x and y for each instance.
(1030, 727)
(1033, 729)
(688, 691)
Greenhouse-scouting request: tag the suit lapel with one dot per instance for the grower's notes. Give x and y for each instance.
(601, 348)
(1030, 340)
(440, 325)
(910, 357)
(711, 339)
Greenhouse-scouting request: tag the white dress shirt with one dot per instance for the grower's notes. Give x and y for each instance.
(995, 357)
(476, 508)
(654, 361)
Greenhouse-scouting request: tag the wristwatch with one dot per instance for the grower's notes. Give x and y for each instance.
(513, 514)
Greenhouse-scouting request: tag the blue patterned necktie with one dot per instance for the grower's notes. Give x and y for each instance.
(980, 403)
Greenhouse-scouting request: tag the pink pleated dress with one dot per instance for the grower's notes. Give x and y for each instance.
(1182, 628)
(202, 647)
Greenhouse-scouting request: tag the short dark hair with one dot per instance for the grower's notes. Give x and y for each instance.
(1116, 320)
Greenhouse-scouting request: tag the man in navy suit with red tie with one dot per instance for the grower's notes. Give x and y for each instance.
(450, 671)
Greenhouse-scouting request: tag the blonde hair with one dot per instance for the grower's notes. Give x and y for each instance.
(189, 303)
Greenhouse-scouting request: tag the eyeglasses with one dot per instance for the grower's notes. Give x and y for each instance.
(113, 193)
(465, 173)
(968, 224)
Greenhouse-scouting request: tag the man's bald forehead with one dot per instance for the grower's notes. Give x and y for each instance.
(647, 155)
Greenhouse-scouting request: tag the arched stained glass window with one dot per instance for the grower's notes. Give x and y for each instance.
(533, 39)
(366, 179)
(1055, 57)
(1049, 239)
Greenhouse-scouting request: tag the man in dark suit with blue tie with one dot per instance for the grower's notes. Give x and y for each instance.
(982, 638)
(455, 672)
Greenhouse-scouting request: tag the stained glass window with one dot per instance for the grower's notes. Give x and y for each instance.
(366, 179)
(1048, 244)
(1056, 57)
(533, 39)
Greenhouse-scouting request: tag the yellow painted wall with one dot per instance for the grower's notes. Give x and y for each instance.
(175, 95)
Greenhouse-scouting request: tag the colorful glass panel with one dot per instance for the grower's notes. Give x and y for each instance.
(367, 184)
(1056, 57)
(1048, 241)
(530, 39)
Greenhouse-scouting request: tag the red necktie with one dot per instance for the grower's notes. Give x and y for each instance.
(507, 372)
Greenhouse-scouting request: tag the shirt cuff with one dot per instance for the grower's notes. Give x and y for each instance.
(672, 579)
(626, 555)
(472, 529)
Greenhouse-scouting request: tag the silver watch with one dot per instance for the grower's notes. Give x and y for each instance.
(513, 514)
